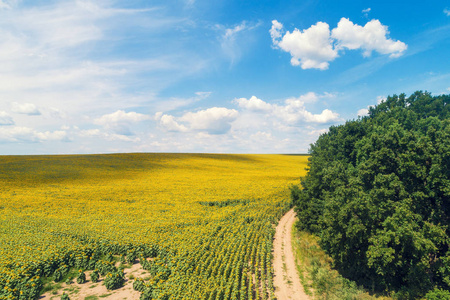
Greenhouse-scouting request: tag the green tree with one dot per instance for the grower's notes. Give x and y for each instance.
(378, 195)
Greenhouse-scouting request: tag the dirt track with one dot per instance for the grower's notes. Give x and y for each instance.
(286, 280)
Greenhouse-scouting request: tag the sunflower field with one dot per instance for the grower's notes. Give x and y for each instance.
(201, 224)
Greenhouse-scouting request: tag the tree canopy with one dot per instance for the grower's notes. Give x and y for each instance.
(378, 195)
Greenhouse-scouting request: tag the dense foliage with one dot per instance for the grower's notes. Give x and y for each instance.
(378, 195)
(201, 225)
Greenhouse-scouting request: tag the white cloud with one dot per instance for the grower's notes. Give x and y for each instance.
(253, 104)
(447, 12)
(176, 103)
(8, 4)
(316, 132)
(261, 136)
(215, 120)
(26, 134)
(310, 97)
(120, 116)
(366, 12)
(54, 53)
(365, 111)
(58, 135)
(120, 121)
(254, 126)
(362, 112)
(169, 123)
(315, 47)
(230, 33)
(381, 99)
(311, 48)
(25, 108)
(276, 31)
(371, 37)
(202, 95)
(5, 119)
(107, 136)
(90, 133)
(292, 111)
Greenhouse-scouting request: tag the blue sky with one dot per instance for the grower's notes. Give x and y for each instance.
(84, 76)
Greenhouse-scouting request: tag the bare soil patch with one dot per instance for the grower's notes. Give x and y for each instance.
(81, 291)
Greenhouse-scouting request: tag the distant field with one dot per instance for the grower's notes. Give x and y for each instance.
(206, 220)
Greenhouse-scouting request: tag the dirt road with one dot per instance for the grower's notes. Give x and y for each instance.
(286, 280)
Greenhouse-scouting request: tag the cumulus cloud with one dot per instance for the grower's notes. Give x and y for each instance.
(25, 108)
(215, 120)
(316, 46)
(311, 48)
(254, 125)
(447, 12)
(169, 123)
(276, 31)
(371, 37)
(5, 119)
(292, 111)
(362, 112)
(120, 121)
(121, 116)
(253, 104)
(26, 134)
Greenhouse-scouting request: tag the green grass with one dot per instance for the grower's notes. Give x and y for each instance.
(50, 285)
(91, 298)
(72, 289)
(105, 295)
(318, 278)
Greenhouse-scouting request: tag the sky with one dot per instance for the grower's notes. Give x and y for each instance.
(104, 76)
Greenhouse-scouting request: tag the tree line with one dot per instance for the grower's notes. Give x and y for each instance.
(378, 195)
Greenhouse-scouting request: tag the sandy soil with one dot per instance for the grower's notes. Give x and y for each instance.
(286, 280)
(81, 291)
